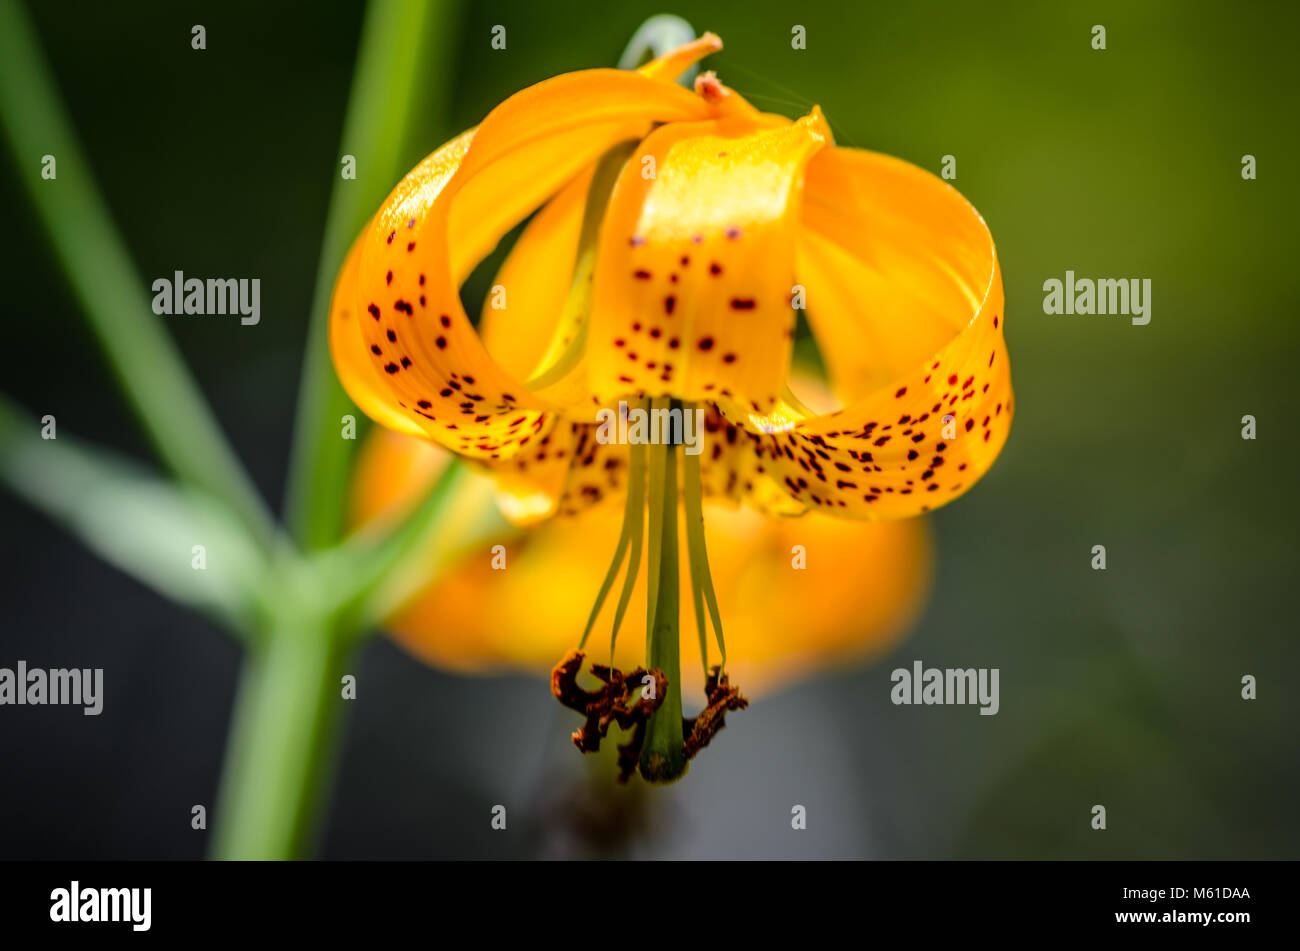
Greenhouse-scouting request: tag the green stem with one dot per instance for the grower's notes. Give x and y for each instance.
(145, 361)
(283, 737)
(399, 41)
(662, 759)
(369, 563)
(655, 37)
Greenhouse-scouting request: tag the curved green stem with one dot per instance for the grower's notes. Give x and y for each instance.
(655, 37)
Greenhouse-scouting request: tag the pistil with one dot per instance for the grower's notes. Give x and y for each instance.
(662, 758)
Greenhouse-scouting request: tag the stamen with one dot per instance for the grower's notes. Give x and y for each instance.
(692, 502)
(635, 491)
(701, 577)
(630, 534)
(697, 598)
(663, 742)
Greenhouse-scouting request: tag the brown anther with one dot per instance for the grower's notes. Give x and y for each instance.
(721, 698)
(622, 700)
(708, 86)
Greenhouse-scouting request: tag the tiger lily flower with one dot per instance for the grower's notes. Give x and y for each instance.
(679, 234)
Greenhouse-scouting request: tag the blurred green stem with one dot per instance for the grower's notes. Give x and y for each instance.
(282, 741)
(144, 359)
(398, 41)
(656, 36)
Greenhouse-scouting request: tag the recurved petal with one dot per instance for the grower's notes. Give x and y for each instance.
(675, 62)
(905, 295)
(519, 322)
(696, 265)
(732, 469)
(444, 216)
(565, 472)
(358, 374)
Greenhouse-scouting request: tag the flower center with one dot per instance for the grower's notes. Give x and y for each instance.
(649, 701)
(646, 701)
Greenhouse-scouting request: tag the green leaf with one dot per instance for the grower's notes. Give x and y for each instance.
(144, 525)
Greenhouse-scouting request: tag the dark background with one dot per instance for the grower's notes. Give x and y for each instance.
(1119, 687)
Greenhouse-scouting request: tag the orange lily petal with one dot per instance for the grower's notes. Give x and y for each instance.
(448, 213)
(357, 373)
(563, 473)
(675, 62)
(732, 468)
(535, 283)
(696, 264)
(895, 262)
(902, 274)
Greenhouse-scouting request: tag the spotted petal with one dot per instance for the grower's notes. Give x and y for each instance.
(697, 261)
(905, 295)
(445, 216)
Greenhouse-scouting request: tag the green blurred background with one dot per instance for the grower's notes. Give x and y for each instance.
(1119, 687)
